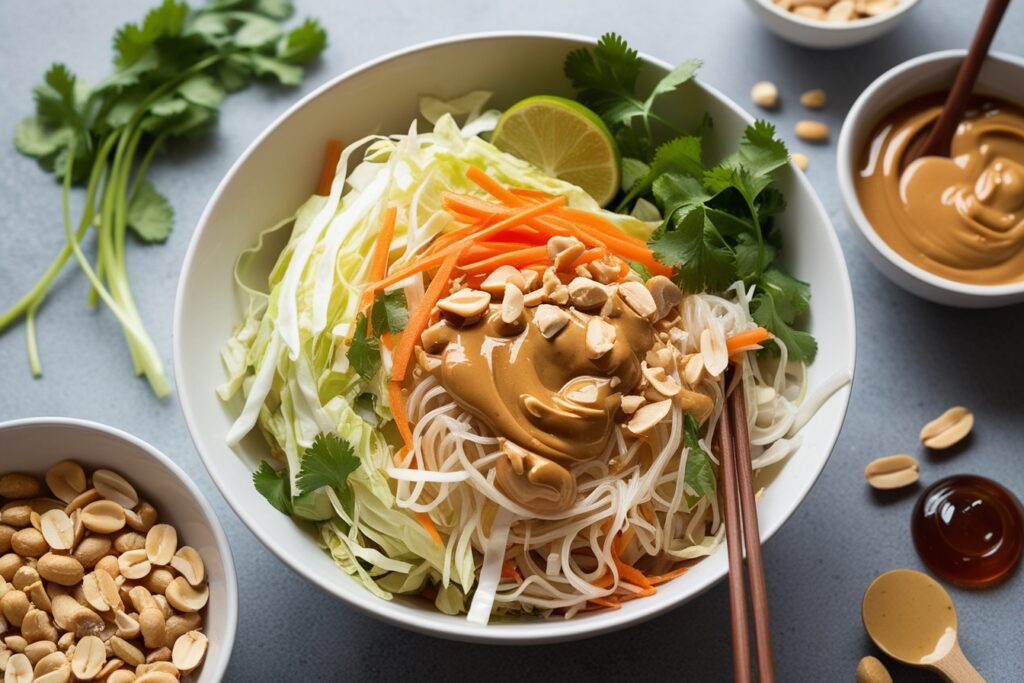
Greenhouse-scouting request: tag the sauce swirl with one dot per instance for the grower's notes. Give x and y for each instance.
(960, 217)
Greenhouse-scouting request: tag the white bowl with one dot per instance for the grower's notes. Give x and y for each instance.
(1001, 76)
(278, 172)
(33, 445)
(826, 35)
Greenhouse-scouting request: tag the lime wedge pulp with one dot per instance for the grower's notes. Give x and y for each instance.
(565, 140)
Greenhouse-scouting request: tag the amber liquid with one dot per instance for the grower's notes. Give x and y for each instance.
(968, 530)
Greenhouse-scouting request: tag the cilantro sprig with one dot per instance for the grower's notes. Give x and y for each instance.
(699, 474)
(171, 71)
(389, 313)
(717, 220)
(328, 462)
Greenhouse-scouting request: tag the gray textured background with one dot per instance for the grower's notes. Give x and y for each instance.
(915, 358)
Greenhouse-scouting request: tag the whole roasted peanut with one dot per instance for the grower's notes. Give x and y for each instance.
(6, 532)
(180, 624)
(134, 564)
(81, 500)
(121, 676)
(14, 605)
(184, 597)
(38, 650)
(16, 485)
(24, 577)
(129, 540)
(89, 551)
(153, 626)
(29, 542)
(812, 131)
(870, 670)
(108, 564)
(10, 563)
(17, 514)
(892, 472)
(127, 652)
(765, 94)
(142, 518)
(158, 580)
(61, 569)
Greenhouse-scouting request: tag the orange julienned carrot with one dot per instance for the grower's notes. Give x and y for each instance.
(331, 159)
(397, 402)
(520, 257)
(379, 260)
(432, 260)
(746, 338)
(667, 576)
(491, 185)
(419, 318)
(428, 524)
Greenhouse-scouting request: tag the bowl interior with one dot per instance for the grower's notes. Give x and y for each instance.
(382, 96)
(32, 446)
(1001, 76)
(839, 26)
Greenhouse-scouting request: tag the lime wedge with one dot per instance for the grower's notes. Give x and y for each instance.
(565, 140)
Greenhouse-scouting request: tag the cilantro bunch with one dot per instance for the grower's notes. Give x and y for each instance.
(718, 221)
(171, 72)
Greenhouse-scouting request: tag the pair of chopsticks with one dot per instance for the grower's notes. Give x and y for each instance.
(741, 514)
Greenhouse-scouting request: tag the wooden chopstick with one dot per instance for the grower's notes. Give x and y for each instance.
(741, 511)
(737, 591)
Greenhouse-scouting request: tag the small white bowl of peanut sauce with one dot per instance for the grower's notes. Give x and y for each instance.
(948, 230)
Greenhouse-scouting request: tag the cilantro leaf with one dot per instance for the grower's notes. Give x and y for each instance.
(150, 215)
(605, 79)
(303, 44)
(680, 155)
(170, 74)
(800, 345)
(328, 462)
(699, 474)
(390, 312)
(273, 485)
(693, 244)
(364, 352)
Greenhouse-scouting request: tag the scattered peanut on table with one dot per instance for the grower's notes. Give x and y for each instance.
(91, 587)
(948, 429)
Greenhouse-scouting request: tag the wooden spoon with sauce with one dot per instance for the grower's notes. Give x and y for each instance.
(913, 620)
(937, 142)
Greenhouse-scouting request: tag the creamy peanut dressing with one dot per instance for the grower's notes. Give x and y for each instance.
(960, 217)
(910, 616)
(543, 395)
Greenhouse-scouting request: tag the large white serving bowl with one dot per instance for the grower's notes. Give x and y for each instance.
(279, 171)
(33, 445)
(1001, 76)
(828, 35)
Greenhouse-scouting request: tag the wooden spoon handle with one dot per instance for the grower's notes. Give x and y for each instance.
(937, 143)
(956, 669)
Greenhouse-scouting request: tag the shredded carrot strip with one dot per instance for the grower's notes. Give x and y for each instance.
(598, 223)
(668, 576)
(491, 185)
(530, 194)
(520, 257)
(331, 158)
(386, 339)
(746, 338)
(419, 319)
(397, 402)
(589, 256)
(509, 570)
(379, 260)
(428, 524)
(609, 602)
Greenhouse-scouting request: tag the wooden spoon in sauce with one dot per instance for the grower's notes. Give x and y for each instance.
(937, 142)
(913, 620)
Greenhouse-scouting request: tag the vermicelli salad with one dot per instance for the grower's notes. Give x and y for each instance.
(488, 390)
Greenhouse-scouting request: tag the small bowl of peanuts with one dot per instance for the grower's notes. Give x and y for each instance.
(113, 567)
(831, 24)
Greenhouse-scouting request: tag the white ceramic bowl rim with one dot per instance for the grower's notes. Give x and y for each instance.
(459, 628)
(221, 539)
(845, 161)
(840, 27)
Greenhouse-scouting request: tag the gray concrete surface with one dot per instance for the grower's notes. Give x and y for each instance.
(915, 358)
